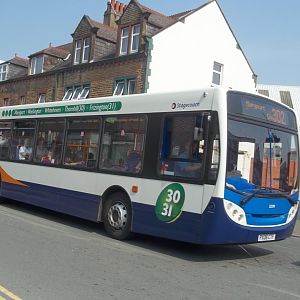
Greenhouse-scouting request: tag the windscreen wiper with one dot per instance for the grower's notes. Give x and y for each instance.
(267, 194)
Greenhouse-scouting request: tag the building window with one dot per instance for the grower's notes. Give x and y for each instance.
(286, 98)
(124, 86)
(77, 93)
(217, 73)
(3, 72)
(119, 89)
(42, 98)
(264, 92)
(135, 38)
(68, 94)
(22, 100)
(84, 93)
(77, 52)
(132, 34)
(124, 41)
(6, 102)
(86, 50)
(37, 65)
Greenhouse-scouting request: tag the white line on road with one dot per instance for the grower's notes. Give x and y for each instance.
(9, 293)
(274, 289)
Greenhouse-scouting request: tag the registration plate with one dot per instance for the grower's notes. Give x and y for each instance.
(266, 237)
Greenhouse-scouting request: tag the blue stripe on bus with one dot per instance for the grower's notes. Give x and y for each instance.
(82, 205)
(212, 227)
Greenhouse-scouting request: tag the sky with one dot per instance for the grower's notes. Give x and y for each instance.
(267, 30)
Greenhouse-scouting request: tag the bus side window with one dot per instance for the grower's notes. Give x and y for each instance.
(122, 144)
(22, 141)
(182, 148)
(5, 139)
(49, 142)
(82, 141)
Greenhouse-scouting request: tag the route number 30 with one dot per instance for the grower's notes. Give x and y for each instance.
(173, 197)
(170, 202)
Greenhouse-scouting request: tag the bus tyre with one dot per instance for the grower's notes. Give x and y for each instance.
(117, 216)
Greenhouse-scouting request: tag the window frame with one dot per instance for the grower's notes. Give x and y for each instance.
(217, 72)
(76, 88)
(203, 178)
(6, 102)
(86, 49)
(126, 82)
(77, 52)
(38, 125)
(22, 100)
(33, 141)
(133, 36)
(34, 62)
(124, 172)
(42, 98)
(67, 90)
(116, 88)
(8, 129)
(4, 74)
(128, 86)
(67, 128)
(124, 38)
(82, 92)
(79, 89)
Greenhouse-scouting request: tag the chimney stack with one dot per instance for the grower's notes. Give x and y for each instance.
(113, 12)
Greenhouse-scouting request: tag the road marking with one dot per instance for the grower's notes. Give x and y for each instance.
(8, 293)
(275, 290)
(1, 298)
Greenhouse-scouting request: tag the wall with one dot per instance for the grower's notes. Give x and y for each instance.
(15, 71)
(183, 54)
(100, 76)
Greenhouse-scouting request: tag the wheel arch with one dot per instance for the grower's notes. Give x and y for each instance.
(109, 191)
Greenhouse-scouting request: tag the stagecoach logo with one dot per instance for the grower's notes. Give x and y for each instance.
(184, 106)
(170, 202)
(65, 109)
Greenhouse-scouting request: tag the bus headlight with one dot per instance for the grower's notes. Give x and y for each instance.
(235, 212)
(292, 212)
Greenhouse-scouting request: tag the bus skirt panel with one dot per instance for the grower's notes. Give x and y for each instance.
(211, 227)
(82, 205)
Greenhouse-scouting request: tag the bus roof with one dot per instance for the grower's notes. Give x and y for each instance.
(191, 100)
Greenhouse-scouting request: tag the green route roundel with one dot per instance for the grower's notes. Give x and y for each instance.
(170, 202)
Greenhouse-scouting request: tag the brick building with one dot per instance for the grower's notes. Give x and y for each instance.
(134, 50)
(102, 59)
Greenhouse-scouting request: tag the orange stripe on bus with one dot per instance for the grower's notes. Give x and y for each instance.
(8, 179)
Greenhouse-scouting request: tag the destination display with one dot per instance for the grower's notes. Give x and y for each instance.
(63, 109)
(260, 108)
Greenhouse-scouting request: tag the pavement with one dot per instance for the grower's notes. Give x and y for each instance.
(296, 231)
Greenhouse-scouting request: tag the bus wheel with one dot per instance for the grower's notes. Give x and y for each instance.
(117, 215)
